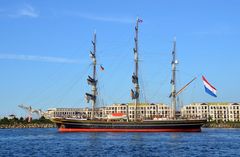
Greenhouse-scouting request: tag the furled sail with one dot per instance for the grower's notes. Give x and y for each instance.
(134, 94)
(89, 97)
(134, 78)
(91, 81)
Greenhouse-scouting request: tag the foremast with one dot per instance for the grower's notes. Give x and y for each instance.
(92, 81)
(135, 93)
(173, 80)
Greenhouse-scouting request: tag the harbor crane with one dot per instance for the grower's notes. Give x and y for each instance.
(30, 111)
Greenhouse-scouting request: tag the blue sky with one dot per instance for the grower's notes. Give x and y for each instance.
(44, 50)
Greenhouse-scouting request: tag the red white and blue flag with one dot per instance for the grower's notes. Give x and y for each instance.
(209, 88)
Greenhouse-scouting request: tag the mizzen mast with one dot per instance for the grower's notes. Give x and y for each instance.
(135, 93)
(92, 80)
(173, 80)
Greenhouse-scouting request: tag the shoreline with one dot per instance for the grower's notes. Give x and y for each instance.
(222, 125)
(52, 125)
(30, 125)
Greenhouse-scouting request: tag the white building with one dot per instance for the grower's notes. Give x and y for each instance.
(11, 116)
(145, 111)
(72, 112)
(212, 111)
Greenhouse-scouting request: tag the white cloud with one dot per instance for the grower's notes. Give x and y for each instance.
(102, 18)
(25, 11)
(29, 11)
(37, 58)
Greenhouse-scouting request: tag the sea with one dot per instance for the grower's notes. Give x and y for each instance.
(49, 142)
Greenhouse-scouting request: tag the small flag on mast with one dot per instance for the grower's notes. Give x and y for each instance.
(101, 67)
(209, 88)
(140, 20)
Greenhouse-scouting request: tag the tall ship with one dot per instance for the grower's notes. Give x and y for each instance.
(119, 122)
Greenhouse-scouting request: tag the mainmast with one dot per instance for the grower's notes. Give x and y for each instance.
(174, 94)
(92, 80)
(173, 81)
(135, 94)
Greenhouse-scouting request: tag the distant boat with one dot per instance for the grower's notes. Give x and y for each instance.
(119, 122)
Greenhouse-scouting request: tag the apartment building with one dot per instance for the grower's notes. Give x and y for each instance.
(212, 111)
(145, 111)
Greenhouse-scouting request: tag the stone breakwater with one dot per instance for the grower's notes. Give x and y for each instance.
(222, 125)
(30, 125)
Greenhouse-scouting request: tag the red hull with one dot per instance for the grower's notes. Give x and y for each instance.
(128, 130)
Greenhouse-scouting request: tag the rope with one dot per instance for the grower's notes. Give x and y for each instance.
(142, 85)
(34, 93)
(67, 91)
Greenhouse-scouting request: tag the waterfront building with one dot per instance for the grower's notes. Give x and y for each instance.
(11, 116)
(72, 112)
(145, 111)
(212, 111)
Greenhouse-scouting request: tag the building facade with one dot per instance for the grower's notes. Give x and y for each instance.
(212, 111)
(73, 112)
(145, 111)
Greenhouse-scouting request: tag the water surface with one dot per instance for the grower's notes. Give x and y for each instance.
(49, 142)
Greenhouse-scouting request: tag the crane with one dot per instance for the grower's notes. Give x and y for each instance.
(30, 111)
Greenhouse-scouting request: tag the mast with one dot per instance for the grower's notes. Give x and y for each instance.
(135, 93)
(92, 80)
(173, 81)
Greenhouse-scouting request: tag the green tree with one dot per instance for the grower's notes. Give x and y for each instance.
(5, 120)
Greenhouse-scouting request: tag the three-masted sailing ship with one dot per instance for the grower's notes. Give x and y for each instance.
(94, 124)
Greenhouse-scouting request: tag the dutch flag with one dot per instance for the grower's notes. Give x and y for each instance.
(209, 88)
